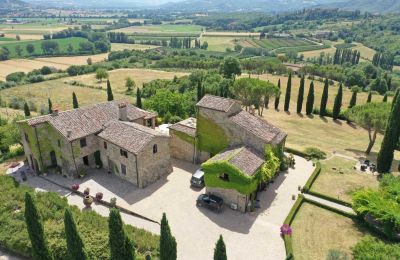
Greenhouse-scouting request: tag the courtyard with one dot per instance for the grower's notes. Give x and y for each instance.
(252, 235)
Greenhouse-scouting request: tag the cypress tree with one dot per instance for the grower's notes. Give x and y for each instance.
(300, 96)
(310, 99)
(199, 95)
(353, 100)
(74, 100)
(338, 103)
(278, 96)
(120, 245)
(288, 93)
(385, 97)
(75, 246)
(34, 225)
(110, 96)
(27, 111)
(167, 241)
(390, 139)
(324, 99)
(138, 98)
(50, 106)
(220, 250)
(369, 99)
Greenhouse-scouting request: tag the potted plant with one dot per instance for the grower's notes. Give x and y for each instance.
(113, 202)
(88, 200)
(75, 186)
(99, 196)
(286, 230)
(97, 159)
(86, 191)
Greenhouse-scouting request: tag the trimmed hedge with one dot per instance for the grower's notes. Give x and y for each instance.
(312, 178)
(332, 199)
(338, 211)
(289, 219)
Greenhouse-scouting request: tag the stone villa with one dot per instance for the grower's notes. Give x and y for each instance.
(115, 134)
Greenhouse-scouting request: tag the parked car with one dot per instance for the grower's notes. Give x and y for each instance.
(197, 179)
(210, 201)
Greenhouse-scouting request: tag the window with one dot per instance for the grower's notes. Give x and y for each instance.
(123, 169)
(105, 145)
(59, 143)
(224, 176)
(123, 153)
(155, 148)
(83, 142)
(26, 138)
(85, 161)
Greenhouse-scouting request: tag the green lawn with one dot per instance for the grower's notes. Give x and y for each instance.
(5, 39)
(63, 44)
(163, 29)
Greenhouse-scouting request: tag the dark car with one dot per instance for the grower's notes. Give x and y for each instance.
(197, 179)
(210, 201)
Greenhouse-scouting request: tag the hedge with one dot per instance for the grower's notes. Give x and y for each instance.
(289, 219)
(296, 152)
(313, 177)
(332, 199)
(338, 211)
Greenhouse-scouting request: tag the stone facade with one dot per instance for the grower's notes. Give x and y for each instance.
(230, 197)
(182, 149)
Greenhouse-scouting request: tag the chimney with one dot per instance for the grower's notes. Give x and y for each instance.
(54, 112)
(123, 112)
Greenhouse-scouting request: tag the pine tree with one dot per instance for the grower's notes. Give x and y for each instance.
(120, 245)
(338, 103)
(27, 111)
(369, 99)
(390, 139)
(288, 93)
(34, 225)
(110, 96)
(74, 101)
(50, 106)
(278, 95)
(75, 246)
(167, 241)
(353, 100)
(138, 98)
(310, 100)
(385, 97)
(220, 250)
(324, 99)
(300, 96)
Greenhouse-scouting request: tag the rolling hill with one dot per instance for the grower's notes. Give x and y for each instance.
(12, 4)
(373, 6)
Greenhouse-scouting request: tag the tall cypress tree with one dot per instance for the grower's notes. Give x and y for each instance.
(390, 139)
(138, 98)
(27, 111)
(310, 99)
(369, 98)
(288, 93)
(167, 241)
(110, 96)
(120, 245)
(220, 250)
(385, 97)
(199, 92)
(278, 96)
(34, 225)
(50, 106)
(353, 100)
(324, 99)
(74, 100)
(338, 103)
(75, 246)
(300, 96)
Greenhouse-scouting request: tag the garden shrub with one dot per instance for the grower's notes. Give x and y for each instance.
(315, 153)
(313, 177)
(372, 248)
(92, 227)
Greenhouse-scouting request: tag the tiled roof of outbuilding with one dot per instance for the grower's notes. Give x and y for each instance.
(216, 103)
(187, 126)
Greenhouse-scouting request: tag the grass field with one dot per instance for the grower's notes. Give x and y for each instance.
(125, 46)
(27, 65)
(5, 39)
(341, 185)
(216, 43)
(117, 78)
(317, 230)
(169, 29)
(282, 45)
(63, 44)
(366, 53)
(10, 114)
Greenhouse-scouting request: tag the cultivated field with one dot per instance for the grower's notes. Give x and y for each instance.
(168, 29)
(316, 231)
(216, 43)
(10, 114)
(231, 34)
(339, 180)
(117, 78)
(62, 63)
(366, 53)
(125, 46)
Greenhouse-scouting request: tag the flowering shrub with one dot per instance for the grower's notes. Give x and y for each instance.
(286, 230)
(75, 187)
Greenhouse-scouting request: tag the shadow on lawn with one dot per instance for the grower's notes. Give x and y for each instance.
(372, 157)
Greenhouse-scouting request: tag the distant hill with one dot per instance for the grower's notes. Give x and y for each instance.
(11, 4)
(373, 6)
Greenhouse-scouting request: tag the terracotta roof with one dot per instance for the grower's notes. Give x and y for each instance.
(216, 103)
(81, 122)
(187, 126)
(259, 127)
(244, 158)
(129, 136)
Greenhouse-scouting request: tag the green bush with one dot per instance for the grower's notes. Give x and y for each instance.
(372, 248)
(92, 227)
(315, 153)
(313, 177)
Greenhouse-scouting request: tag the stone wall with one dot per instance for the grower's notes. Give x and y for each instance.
(153, 166)
(180, 148)
(230, 196)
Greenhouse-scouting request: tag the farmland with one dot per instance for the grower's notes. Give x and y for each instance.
(282, 45)
(125, 46)
(162, 30)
